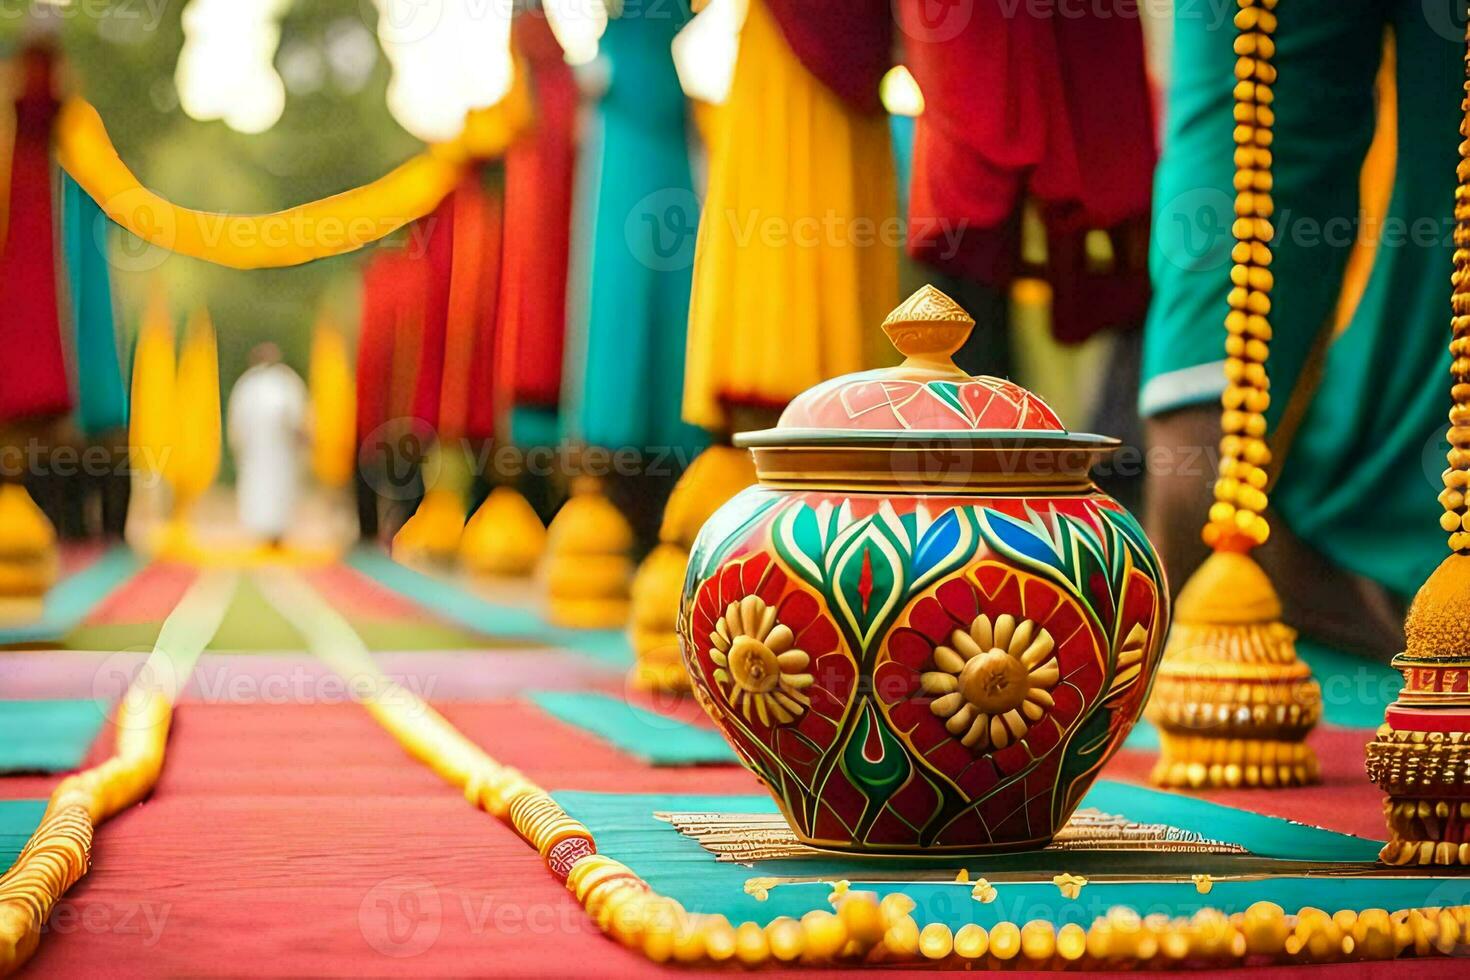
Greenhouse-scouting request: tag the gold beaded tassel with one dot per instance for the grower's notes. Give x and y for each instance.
(1232, 701)
(1421, 754)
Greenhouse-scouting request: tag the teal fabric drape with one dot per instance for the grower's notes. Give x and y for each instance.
(635, 221)
(102, 401)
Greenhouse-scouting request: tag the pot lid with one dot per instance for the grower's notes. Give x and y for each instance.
(927, 398)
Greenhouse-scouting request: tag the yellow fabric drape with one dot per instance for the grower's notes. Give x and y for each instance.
(196, 452)
(333, 407)
(797, 257)
(151, 417)
(331, 226)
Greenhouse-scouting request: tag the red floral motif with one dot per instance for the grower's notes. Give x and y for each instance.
(993, 589)
(800, 742)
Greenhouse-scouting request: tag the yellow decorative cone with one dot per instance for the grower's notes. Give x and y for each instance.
(432, 534)
(504, 537)
(587, 566)
(1231, 699)
(716, 475)
(653, 626)
(28, 560)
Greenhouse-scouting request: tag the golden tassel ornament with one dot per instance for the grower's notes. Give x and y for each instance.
(1420, 756)
(716, 475)
(587, 566)
(1232, 701)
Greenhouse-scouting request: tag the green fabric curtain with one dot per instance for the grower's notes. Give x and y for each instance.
(102, 402)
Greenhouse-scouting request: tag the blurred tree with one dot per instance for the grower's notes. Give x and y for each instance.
(335, 133)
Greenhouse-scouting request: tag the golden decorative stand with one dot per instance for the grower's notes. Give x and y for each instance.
(587, 565)
(716, 475)
(1232, 700)
(28, 560)
(504, 537)
(1420, 756)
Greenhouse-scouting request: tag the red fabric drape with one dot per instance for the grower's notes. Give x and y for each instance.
(453, 385)
(1052, 108)
(33, 366)
(847, 44)
(479, 303)
(538, 217)
(438, 262)
(382, 282)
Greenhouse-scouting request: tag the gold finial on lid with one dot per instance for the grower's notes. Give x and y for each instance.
(928, 328)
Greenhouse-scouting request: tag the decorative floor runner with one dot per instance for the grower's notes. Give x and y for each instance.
(509, 623)
(18, 820)
(47, 735)
(657, 739)
(69, 600)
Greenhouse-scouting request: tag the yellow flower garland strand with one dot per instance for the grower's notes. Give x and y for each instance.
(60, 850)
(1456, 517)
(1237, 520)
(860, 928)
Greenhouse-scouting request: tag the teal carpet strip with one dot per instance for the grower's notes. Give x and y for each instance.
(495, 619)
(656, 739)
(69, 601)
(677, 866)
(47, 735)
(18, 820)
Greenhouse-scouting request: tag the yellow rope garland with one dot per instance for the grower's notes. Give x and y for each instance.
(60, 850)
(1237, 520)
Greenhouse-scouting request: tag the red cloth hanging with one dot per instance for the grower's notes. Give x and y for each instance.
(1023, 104)
(34, 379)
(438, 262)
(847, 44)
(485, 391)
(382, 285)
(538, 218)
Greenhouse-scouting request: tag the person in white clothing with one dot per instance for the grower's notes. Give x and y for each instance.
(267, 432)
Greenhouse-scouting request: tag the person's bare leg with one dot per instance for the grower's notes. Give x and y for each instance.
(1318, 598)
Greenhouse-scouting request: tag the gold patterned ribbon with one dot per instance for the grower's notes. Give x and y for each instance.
(60, 850)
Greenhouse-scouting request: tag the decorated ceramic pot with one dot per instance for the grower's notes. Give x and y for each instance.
(926, 629)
